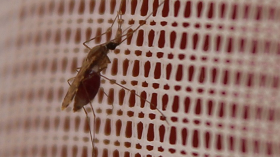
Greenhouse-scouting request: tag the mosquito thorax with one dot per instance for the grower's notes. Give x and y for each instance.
(112, 45)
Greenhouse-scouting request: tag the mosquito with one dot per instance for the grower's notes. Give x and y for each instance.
(87, 81)
(97, 58)
(85, 85)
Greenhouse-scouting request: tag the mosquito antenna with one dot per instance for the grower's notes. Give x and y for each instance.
(141, 23)
(108, 30)
(162, 114)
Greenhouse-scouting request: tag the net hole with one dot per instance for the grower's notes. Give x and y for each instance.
(128, 130)
(114, 69)
(97, 124)
(157, 71)
(125, 66)
(140, 130)
(91, 6)
(61, 6)
(107, 130)
(147, 67)
(118, 127)
(136, 67)
(102, 7)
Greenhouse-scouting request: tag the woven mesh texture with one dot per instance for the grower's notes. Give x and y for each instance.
(212, 68)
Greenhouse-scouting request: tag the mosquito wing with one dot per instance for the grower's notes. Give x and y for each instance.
(96, 57)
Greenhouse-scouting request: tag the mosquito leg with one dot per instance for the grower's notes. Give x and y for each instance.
(141, 24)
(108, 30)
(114, 82)
(92, 136)
(84, 43)
(107, 97)
(69, 80)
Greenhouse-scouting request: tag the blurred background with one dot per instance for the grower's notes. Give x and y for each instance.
(211, 67)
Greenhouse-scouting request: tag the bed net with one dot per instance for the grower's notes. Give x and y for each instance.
(211, 67)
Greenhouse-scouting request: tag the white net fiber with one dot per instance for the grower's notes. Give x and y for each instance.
(211, 67)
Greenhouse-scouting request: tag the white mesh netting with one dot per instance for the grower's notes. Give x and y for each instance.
(212, 67)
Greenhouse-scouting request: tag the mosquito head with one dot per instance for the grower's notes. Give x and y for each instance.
(112, 45)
